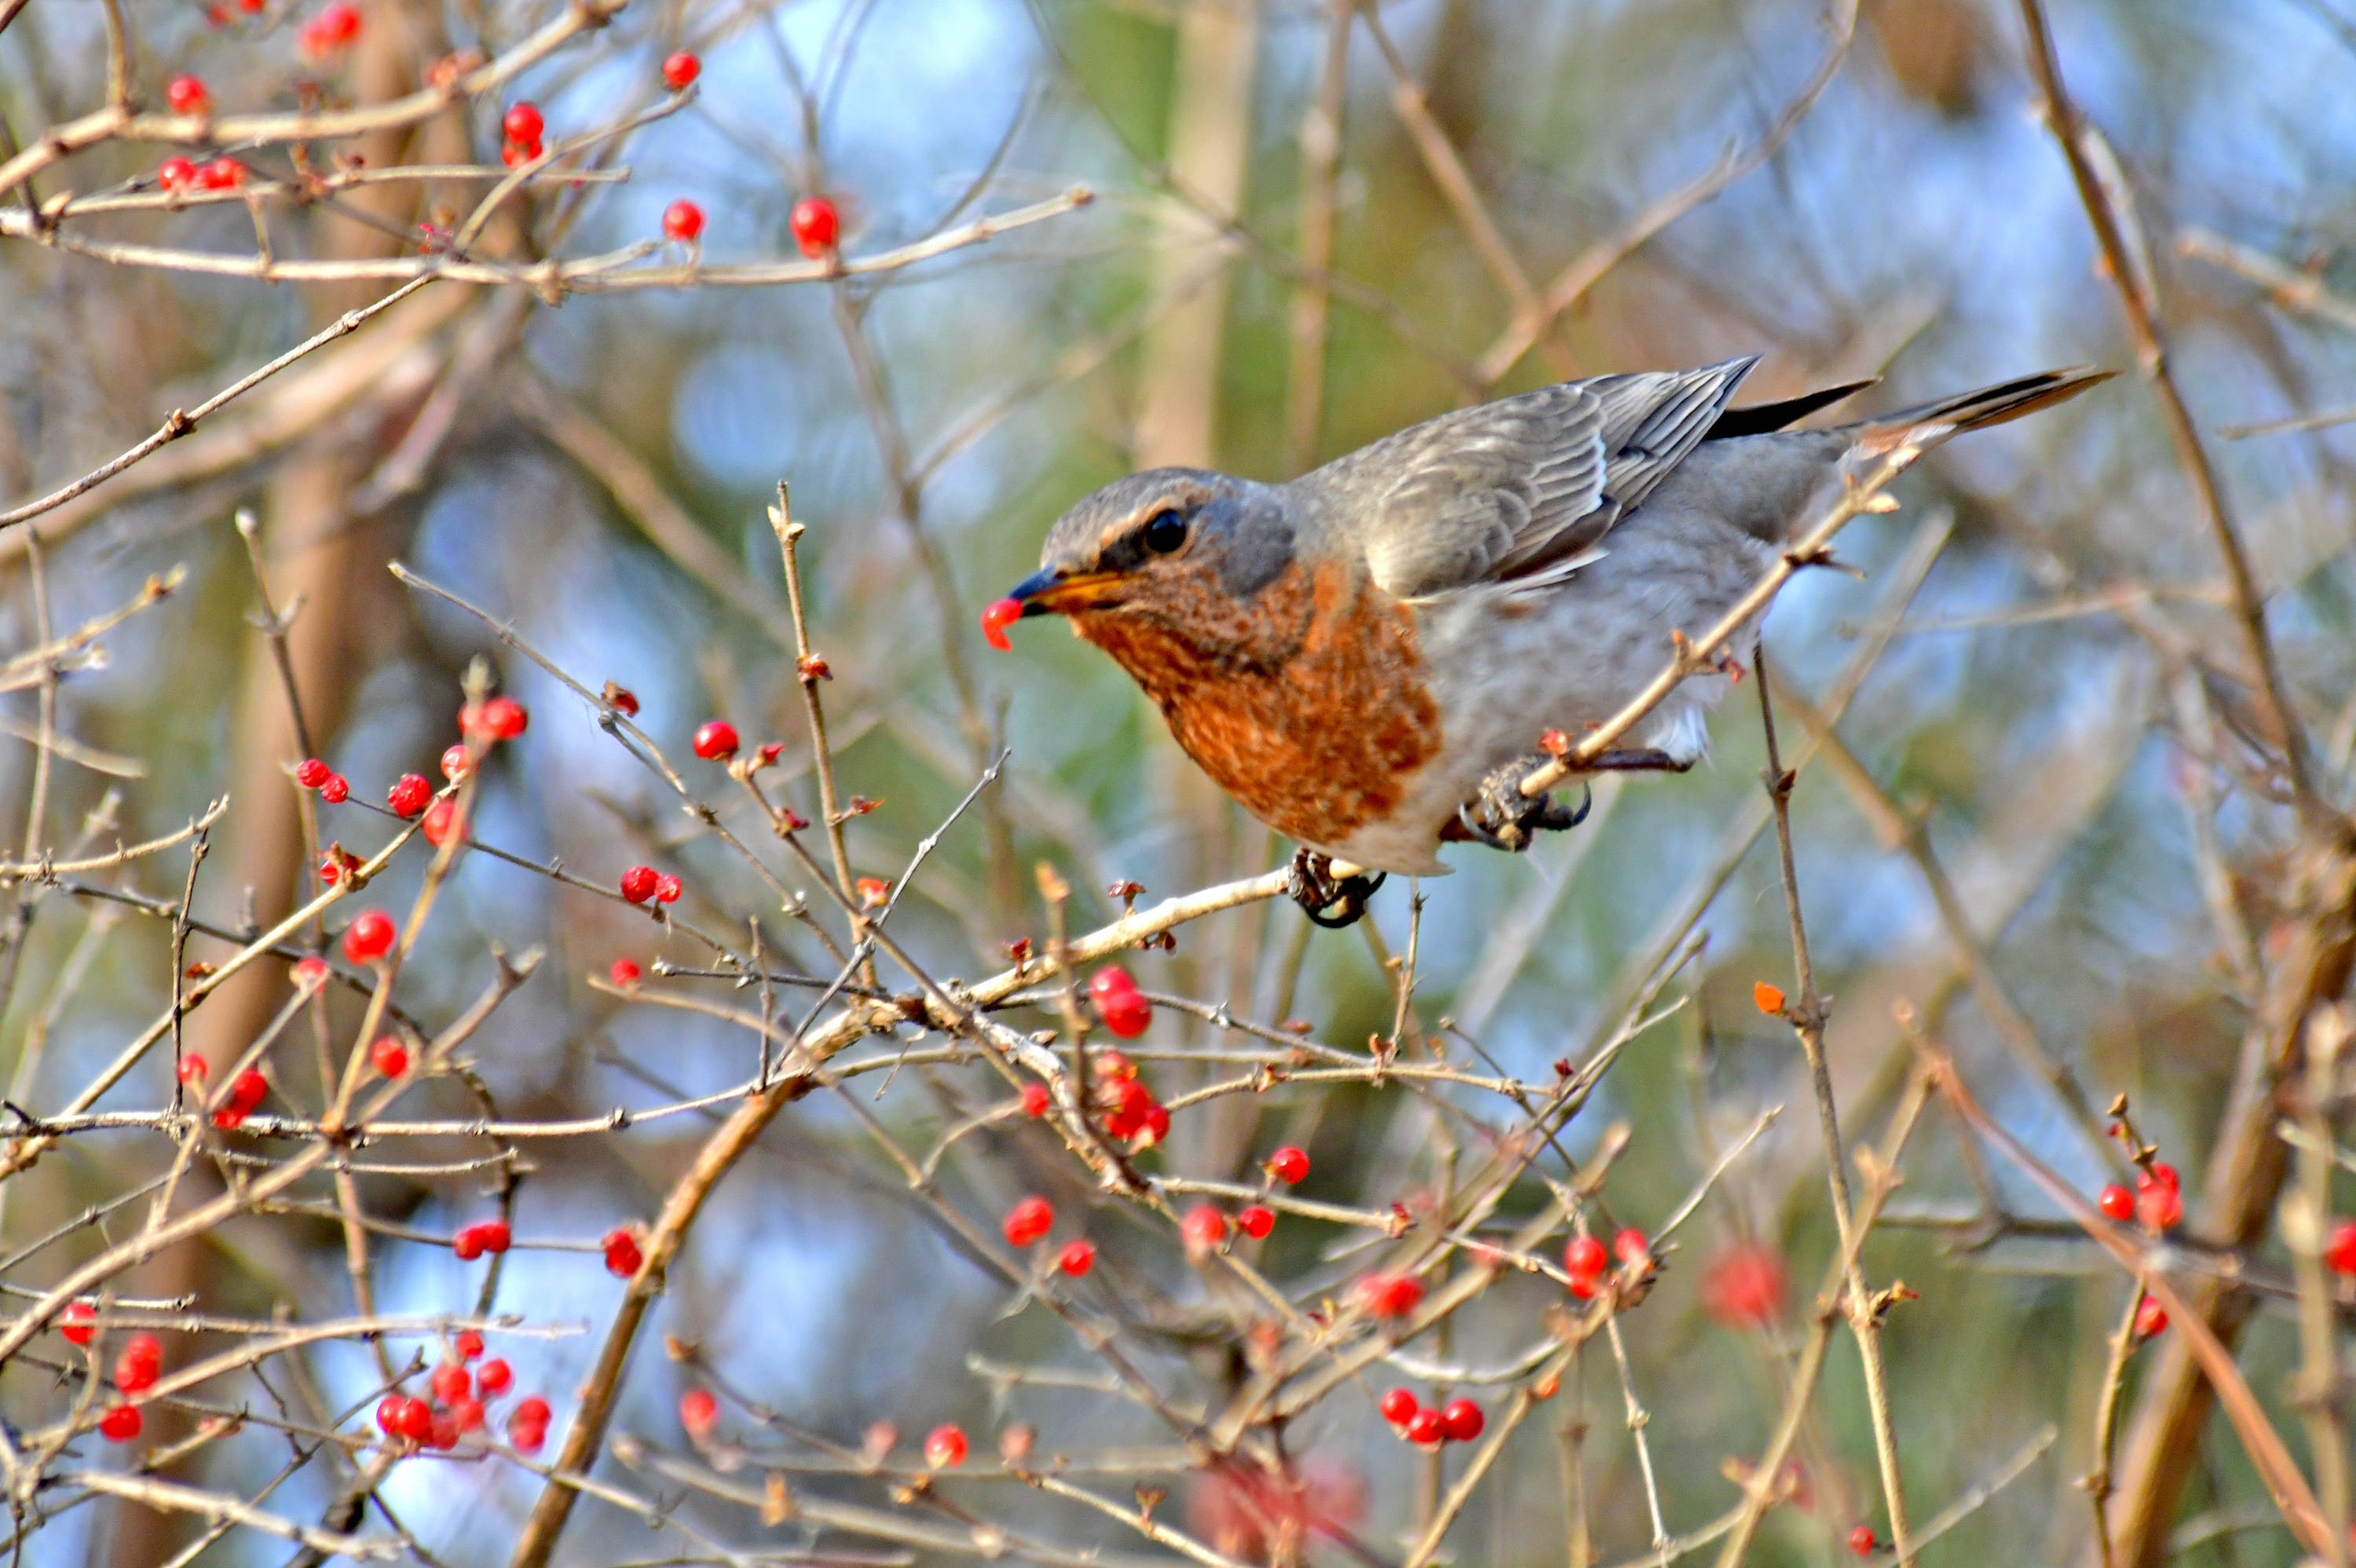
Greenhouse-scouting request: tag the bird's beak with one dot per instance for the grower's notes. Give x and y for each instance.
(1051, 591)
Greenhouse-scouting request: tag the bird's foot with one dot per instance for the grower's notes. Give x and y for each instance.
(1327, 899)
(1500, 816)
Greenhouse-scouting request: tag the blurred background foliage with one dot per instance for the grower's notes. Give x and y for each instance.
(599, 472)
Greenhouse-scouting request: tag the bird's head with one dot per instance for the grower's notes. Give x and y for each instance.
(1156, 541)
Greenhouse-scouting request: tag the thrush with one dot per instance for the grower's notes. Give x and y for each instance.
(1366, 657)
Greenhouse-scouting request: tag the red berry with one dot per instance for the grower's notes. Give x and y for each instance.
(76, 1322)
(532, 1409)
(1426, 1427)
(503, 718)
(192, 1069)
(338, 22)
(638, 883)
(466, 1414)
(311, 970)
(1389, 1295)
(2164, 1175)
(467, 1345)
(178, 173)
(1287, 1165)
(996, 616)
(388, 1414)
(409, 795)
(369, 937)
(228, 1118)
(1584, 1257)
(390, 1057)
(1462, 1420)
(494, 1235)
(816, 225)
(120, 1424)
(222, 173)
(1256, 1221)
(1077, 1258)
(515, 153)
(1861, 1541)
(186, 95)
(450, 1382)
(441, 1430)
(716, 739)
(248, 1089)
(2159, 1206)
(1744, 1284)
(699, 1411)
(494, 1376)
(2339, 1252)
(1108, 982)
(1631, 1247)
(1399, 1406)
(682, 221)
(468, 1243)
(414, 1420)
(1036, 1100)
(667, 889)
(1127, 1014)
(336, 789)
(456, 763)
(522, 123)
(2116, 1202)
(526, 1437)
(681, 69)
(945, 1448)
(1203, 1228)
(1157, 1125)
(623, 1253)
(443, 823)
(140, 1360)
(312, 772)
(1028, 1222)
(2150, 1319)
(626, 973)
(623, 699)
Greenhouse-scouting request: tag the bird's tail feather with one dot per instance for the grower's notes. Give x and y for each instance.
(1979, 409)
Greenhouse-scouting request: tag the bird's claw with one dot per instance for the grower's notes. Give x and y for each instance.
(1500, 816)
(1309, 883)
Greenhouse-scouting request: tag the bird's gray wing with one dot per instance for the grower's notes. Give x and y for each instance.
(1524, 487)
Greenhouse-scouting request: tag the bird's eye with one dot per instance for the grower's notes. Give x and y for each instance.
(1166, 532)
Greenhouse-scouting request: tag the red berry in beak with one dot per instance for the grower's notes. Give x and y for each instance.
(999, 615)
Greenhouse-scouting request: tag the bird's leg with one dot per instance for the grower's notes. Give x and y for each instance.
(1310, 882)
(1500, 816)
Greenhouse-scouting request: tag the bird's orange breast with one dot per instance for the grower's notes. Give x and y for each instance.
(1305, 702)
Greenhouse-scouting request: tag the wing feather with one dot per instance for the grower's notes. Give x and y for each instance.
(1523, 489)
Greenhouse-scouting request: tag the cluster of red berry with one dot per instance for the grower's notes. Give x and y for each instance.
(333, 28)
(520, 130)
(1121, 1006)
(1459, 1421)
(2158, 1200)
(246, 1093)
(1585, 1260)
(623, 1255)
(483, 1236)
(456, 1409)
(1129, 1109)
(640, 883)
(1028, 1222)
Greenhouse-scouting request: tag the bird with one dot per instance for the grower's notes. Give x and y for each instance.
(1366, 657)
